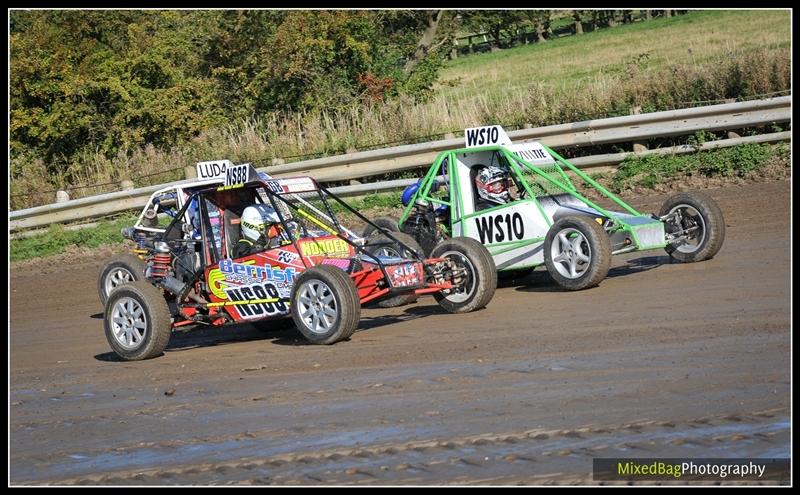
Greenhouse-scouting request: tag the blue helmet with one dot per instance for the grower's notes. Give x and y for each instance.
(409, 193)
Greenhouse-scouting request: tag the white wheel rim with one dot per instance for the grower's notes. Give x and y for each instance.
(317, 306)
(570, 253)
(464, 292)
(693, 219)
(117, 277)
(128, 323)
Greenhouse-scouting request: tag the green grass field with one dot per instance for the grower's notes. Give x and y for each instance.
(691, 38)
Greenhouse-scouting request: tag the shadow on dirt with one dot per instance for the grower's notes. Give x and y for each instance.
(540, 280)
(213, 336)
(640, 265)
(422, 309)
(194, 337)
(412, 312)
(282, 332)
(109, 357)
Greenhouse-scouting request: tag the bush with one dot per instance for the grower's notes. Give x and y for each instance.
(651, 170)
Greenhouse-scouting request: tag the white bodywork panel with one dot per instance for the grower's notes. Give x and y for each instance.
(519, 221)
(501, 230)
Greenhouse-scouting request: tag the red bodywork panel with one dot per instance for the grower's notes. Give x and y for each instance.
(258, 286)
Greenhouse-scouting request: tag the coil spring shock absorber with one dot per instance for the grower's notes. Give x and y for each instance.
(161, 263)
(140, 238)
(140, 249)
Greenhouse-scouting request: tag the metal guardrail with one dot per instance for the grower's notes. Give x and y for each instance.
(587, 133)
(624, 129)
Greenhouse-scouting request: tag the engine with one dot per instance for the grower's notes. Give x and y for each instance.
(423, 224)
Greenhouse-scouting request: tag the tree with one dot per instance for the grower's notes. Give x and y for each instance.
(431, 36)
(498, 23)
(425, 41)
(103, 80)
(540, 21)
(110, 81)
(576, 16)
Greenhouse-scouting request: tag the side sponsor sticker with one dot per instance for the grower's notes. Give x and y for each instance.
(286, 256)
(532, 153)
(405, 275)
(229, 274)
(249, 271)
(253, 299)
(292, 185)
(333, 248)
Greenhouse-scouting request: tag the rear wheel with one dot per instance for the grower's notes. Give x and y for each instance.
(325, 305)
(577, 252)
(137, 322)
(477, 277)
(388, 223)
(699, 219)
(120, 270)
(383, 246)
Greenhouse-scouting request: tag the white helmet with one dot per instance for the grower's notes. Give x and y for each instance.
(256, 220)
(492, 184)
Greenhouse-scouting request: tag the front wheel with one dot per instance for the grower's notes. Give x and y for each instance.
(137, 323)
(475, 277)
(695, 222)
(577, 252)
(120, 270)
(325, 305)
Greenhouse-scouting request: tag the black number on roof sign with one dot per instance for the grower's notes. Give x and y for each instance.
(236, 175)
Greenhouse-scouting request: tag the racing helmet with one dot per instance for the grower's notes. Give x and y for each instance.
(492, 185)
(257, 220)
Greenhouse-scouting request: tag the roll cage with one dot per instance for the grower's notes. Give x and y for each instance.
(290, 206)
(534, 182)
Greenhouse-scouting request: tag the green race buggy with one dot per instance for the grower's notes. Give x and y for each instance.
(548, 221)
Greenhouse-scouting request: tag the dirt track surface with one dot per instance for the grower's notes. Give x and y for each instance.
(661, 360)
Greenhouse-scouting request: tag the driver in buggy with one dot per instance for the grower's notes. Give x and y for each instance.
(261, 230)
(493, 186)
